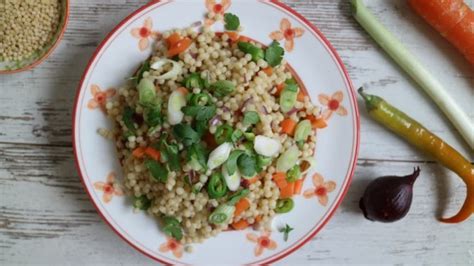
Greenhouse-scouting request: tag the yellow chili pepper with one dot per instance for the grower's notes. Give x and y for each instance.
(420, 137)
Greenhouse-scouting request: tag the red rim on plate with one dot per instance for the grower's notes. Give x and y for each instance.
(317, 33)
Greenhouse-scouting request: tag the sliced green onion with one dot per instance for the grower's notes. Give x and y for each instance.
(263, 161)
(176, 101)
(222, 214)
(303, 130)
(146, 92)
(284, 205)
(194, 80)
(249, 136)
(232, 180)
(288, 97)
(250, 118)
(288, 159)
(219, 155)
(236, 135)
(200, 99)
(174, 72)
(237, 196)
(254, 51)
(293, 174)
(267, 146)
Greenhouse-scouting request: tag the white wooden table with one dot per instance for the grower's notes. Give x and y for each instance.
(47, 218)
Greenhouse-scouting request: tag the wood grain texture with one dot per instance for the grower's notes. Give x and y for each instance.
(47, 218)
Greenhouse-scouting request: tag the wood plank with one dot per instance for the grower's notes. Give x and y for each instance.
(45, 203)
(36, 106)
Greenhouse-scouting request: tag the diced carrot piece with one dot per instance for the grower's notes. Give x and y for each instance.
(173, 39)
(288, 126)
(240, 225)
(154, 154)
(279, 88)
(288, 191)
(280, 179)
(139, 152)
(179, 47)
(233, 36)
(183, 90)
(243, 39)
(268, 70)
(317, 122)
(258, 218)
(241, 206)
(299, 186)
(301, 95)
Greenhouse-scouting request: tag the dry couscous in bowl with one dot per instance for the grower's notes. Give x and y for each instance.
(210, 135)
(29, 31)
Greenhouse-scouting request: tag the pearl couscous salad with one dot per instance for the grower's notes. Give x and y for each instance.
(213, 132)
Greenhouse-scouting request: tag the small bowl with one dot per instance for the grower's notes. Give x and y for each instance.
(38, 57)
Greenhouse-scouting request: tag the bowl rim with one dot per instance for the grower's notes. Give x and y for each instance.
(55, 43)
(352, 94)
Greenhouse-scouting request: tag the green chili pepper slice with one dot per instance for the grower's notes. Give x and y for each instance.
(223, 134)
(284, 205)
(216, 188)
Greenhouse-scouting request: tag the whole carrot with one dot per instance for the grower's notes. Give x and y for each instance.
(420, 137)
(453, 19)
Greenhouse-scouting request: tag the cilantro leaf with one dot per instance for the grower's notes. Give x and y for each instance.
(198, 153)
(231, 163)
(172, 227)
(200, 112)
(186, 134)
(127, 117)
(222, 88)
(247, 165)
(157, 170)
(232, 22)
(251, 118)
(236, 135)
(286, 231)
(274, 54)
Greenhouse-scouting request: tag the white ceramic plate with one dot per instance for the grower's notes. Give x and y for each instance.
(318, 67)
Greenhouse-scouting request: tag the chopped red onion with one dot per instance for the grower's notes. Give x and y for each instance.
(215, 120)
(292, 111)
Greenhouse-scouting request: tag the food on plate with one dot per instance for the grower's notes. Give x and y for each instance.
(201, 134)
(420, 137)
(26, 27)
(388, 198)
(453, 19)
(415, 69)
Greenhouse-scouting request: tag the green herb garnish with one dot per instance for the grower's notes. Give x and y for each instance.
(286, 231)
(172, 227)
(142, 202)
(222, 88)
(274, 54)
(254, 51)
(186, 134)
(247, 165)
(200, 112)
(293, 174)
(157, 170)
(251, 118)
(232, 22)
(236, 135)
(194, 80)
(198, 154)
(127, 117)
(231, 163)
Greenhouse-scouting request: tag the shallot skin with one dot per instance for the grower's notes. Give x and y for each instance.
(388, 199)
